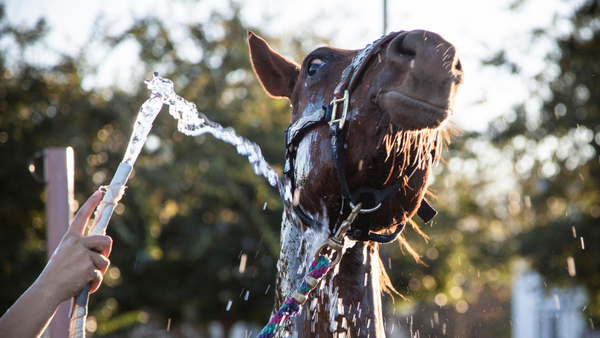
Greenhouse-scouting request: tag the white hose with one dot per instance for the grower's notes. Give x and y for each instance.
(112, 196)
(113, 192)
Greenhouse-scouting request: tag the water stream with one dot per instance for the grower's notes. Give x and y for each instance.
(191, 122)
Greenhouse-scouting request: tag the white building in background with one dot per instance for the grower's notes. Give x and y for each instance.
(541, 312)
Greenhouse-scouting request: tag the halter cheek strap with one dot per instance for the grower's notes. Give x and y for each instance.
(370, 198)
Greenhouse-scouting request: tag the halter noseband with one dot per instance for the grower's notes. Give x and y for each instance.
(370, 198)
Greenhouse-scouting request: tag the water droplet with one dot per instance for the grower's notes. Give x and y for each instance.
(296, 200)
(571, 266)
(229, 305)
(242, 267)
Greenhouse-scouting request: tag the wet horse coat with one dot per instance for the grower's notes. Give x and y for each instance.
(398, 105)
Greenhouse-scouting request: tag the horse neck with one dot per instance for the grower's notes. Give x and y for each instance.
(346, 303)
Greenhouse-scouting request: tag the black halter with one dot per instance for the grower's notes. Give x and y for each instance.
(370, 198)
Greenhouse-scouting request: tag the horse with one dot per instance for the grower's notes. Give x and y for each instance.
(366, 127)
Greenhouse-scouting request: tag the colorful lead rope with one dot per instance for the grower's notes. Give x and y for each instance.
(317, 270)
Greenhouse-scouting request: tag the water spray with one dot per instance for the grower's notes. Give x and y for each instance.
(191, 123)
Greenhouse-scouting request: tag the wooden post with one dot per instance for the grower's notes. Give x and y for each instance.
(59, 176)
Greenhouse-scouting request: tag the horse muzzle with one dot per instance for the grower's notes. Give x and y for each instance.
(418, 84)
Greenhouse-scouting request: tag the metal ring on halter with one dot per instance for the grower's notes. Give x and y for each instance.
(366, 211)
(332, 244)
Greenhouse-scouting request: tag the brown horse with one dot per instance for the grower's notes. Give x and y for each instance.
(401, 91)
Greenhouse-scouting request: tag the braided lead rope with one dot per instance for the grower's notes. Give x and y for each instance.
(317, 270)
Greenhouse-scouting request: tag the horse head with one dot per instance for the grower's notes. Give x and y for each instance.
(400, 99)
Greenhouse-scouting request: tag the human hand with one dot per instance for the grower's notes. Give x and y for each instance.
(78, 260)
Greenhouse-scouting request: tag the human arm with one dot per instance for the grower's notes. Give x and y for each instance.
(77, 261)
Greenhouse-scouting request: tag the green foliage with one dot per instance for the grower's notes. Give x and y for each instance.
(526, 190)
(193, 205)
(556, 155)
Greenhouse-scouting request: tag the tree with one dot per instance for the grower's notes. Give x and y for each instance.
(561, 167)
(193, 206)
(526, 189)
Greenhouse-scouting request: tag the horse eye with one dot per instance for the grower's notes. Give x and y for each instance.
(314, 66)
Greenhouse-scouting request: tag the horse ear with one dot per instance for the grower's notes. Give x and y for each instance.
(277, 74)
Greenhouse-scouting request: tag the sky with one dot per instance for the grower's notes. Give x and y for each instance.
(479, 29)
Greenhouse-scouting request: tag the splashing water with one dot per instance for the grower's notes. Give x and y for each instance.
(193, 123)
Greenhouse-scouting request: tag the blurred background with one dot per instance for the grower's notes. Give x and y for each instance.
(514, 252)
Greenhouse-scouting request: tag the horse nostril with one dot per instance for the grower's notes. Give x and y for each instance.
(399, 48)
(458, 66)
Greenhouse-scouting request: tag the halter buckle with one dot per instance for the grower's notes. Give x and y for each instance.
(342, 118)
